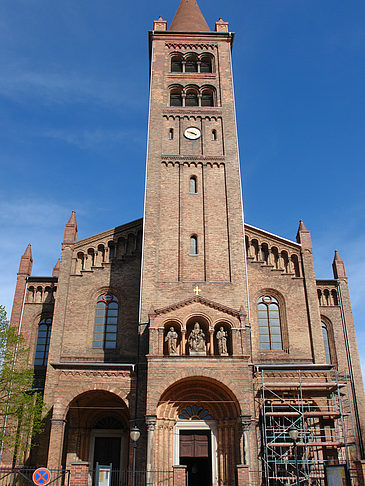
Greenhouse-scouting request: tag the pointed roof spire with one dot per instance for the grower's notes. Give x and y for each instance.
(189, 18)
(26, 261)
(56, 269)
(70, 233)
(338, 266)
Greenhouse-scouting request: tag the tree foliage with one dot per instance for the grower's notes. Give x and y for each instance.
(20, 405)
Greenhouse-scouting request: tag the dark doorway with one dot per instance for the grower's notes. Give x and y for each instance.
(106, 451)
(195, 453)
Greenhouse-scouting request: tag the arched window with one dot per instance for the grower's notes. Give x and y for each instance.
(43, 338)
(214, 134)
(171, 134)
(326, 343)
(206, 65)
(193, 185)
(269, 323)
(106, 322)
(193, 245)
(191, 98)
(176, 64)
(175, 97)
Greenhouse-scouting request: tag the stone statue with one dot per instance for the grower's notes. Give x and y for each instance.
(171, 339)
(197, 341)
(222, 341)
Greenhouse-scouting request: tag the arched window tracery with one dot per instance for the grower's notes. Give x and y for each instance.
(106, 322)
(270, 331)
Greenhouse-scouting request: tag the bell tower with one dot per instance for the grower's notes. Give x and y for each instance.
(193, 222)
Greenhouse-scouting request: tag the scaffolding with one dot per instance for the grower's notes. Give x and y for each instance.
(316, 402)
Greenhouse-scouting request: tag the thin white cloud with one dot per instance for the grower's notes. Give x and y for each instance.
(20, 84)
(90, 138)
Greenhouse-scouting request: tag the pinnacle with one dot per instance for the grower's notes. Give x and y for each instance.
(72, 219)
(337, 257)
(189, 18)
(28, 252)
(302, 226)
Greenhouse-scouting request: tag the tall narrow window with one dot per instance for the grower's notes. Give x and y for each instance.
(106, 322)
(193, 187)
(193, 245)
(326, 343)
(43, 338)
(171, 134)
(269, 323)
(214, 134)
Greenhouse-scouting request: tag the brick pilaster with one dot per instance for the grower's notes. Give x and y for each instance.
(79, 474)
(179, 475)
(242, 475)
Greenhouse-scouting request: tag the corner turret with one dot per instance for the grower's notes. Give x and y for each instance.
(70, 234)
(338, 266)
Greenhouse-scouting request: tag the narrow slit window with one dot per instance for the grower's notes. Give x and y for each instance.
(43, 338)
(171, 134)
(214, 135)
(326, 343)
(193, 185)
(193, 245)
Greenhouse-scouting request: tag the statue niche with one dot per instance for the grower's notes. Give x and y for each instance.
(222, 337)
(197, 341)
(171, 340)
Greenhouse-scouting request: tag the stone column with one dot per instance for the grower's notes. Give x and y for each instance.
(56, 443)
(246, 421)
(160, 340)
(211, 341)
(150, 423)
(183, 341)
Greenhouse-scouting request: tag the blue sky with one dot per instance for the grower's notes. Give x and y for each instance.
(73, 121)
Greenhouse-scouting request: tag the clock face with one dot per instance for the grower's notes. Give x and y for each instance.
(192, 133)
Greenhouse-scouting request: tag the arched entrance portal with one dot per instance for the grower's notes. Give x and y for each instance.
(198, 425)
(97, 430)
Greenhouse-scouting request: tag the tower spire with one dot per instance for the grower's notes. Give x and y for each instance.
(189, 18)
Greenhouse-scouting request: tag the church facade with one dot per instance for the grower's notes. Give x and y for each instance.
(212, 336)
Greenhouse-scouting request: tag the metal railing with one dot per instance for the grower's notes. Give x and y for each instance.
(23, 477)
(142, 478)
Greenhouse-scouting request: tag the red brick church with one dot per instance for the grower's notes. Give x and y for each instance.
(212, 336)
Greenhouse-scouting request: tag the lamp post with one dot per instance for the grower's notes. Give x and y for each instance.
(293, 434)
(134, 435)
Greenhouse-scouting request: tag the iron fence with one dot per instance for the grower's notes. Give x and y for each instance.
(24, 477)
(142, 478)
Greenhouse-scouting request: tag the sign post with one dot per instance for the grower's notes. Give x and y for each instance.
(41, 476)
